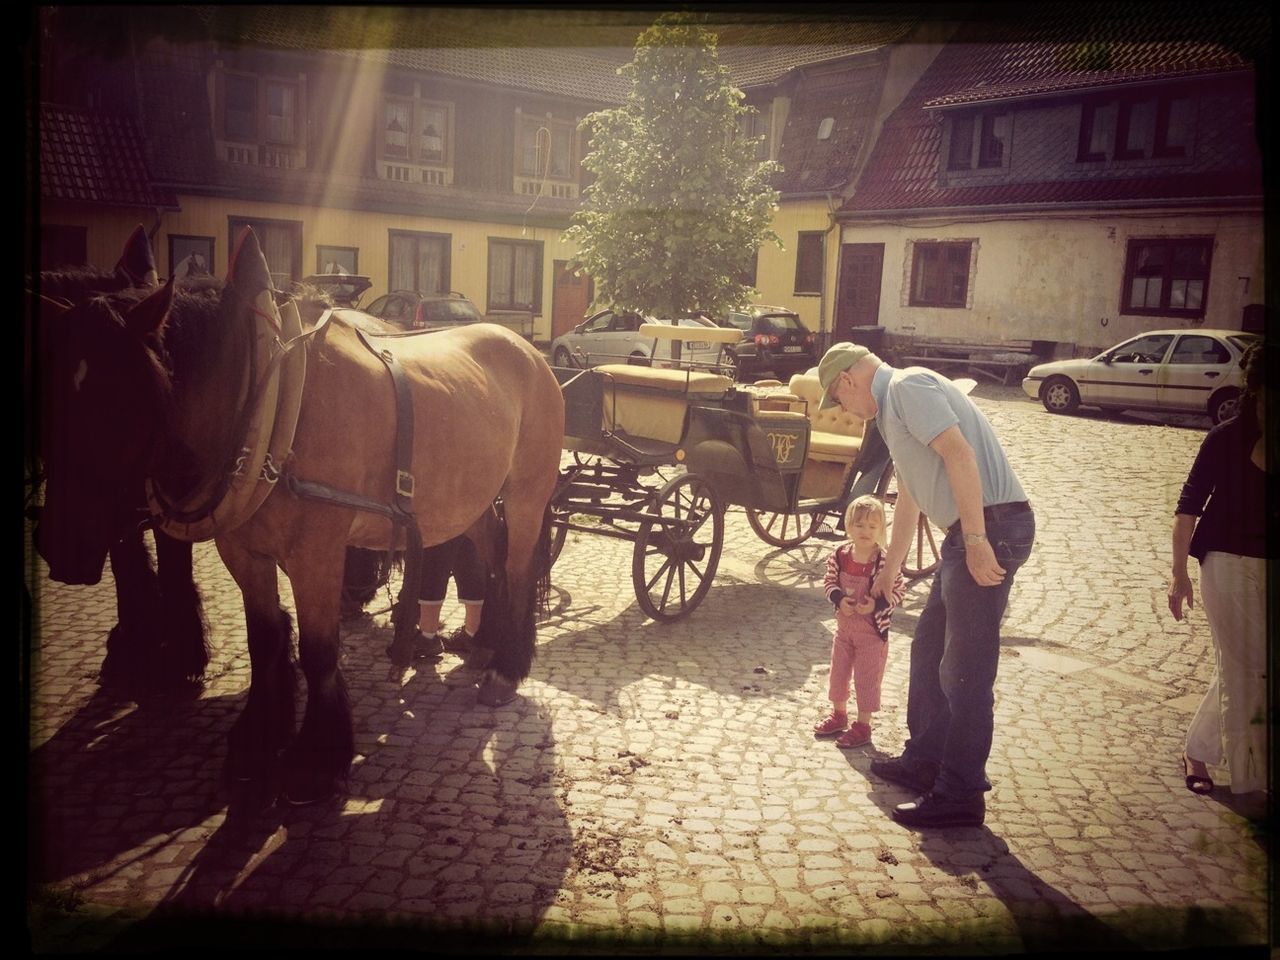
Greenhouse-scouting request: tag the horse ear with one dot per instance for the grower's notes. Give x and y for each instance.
(137, 261)
(148, 316)
(247, 268)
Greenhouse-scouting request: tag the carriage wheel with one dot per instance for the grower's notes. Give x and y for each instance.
(783, 529)
(923, 555)
(559, 532)
(675, 558)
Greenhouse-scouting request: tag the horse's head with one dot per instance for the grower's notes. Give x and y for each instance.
(103, 391)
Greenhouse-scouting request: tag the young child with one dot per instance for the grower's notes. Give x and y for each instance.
(861, 643)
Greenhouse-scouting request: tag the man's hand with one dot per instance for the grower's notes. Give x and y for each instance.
(983, 566)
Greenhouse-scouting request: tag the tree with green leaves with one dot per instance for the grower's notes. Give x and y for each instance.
(679, 205)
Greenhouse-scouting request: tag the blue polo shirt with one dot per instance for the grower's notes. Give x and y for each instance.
(914, 406)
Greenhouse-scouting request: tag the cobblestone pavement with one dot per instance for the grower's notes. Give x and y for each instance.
(656, 788)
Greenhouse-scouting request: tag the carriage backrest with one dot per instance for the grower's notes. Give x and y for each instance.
(833, 419)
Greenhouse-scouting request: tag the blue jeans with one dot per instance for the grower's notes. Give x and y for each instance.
(951, 692)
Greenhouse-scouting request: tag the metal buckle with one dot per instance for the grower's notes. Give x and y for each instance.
(404, 483)
(270, 472)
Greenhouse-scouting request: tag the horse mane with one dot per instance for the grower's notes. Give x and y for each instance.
(77, 283)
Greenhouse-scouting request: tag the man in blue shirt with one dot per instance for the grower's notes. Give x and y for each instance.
(949, 464)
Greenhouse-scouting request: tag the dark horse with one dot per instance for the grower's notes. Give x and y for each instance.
(142, 393)
(158, 645)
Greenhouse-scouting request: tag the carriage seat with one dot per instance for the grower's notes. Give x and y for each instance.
(834, 436)
(652, 403)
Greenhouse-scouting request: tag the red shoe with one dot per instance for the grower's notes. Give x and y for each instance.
(830, 725)
(859, 735)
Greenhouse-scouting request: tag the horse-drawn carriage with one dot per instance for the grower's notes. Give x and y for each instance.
(765, 447)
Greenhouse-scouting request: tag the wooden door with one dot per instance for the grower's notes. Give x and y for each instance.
(858, 294)
(570, 297)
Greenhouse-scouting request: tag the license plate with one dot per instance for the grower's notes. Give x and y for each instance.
(792, 349)
(698, 345)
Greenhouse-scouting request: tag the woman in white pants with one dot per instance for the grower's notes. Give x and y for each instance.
(1222, 520)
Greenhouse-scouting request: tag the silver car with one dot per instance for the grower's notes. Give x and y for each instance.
(612, 336)
(1185, 371)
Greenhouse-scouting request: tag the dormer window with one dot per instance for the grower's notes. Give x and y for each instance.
(546, 160)
(281, 104)
(415, 141)
(978, 140)
(257, 119)
(1135, 127)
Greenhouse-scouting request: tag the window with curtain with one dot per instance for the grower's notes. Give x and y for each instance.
(515, 275)
(281, 106)
(1167, 277)
(420, 261)
(545, 147)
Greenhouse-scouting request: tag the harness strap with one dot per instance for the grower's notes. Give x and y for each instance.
(404, 423)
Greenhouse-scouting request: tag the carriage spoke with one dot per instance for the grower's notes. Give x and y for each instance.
(648, 587)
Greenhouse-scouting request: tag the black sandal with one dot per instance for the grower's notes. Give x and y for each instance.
(1200, 786)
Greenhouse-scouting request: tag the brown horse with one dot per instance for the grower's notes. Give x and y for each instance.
(487, 417)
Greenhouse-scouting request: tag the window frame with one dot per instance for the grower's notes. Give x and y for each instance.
(528, 120)
(919, 262)
(182, 245)
(413, 135)
(446, 270)
(508, 243)
(1131, 266)
(805, 268)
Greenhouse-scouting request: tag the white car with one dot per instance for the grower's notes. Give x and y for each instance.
(1186, 371)
(613, 336)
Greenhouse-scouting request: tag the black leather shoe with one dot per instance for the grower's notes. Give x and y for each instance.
(916, 774)
(938, 810)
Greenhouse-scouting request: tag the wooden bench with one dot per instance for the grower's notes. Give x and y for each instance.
(998, 361)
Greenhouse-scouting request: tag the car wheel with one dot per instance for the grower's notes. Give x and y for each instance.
(1059, 395)
(1224, 405)
(639, 360)
(562, 358)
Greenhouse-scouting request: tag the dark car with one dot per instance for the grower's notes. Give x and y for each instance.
(424, 311)
(774, 340)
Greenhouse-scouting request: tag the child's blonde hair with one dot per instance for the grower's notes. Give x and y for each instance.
(868, 503)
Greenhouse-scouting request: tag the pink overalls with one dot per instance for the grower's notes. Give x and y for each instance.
(857, 649)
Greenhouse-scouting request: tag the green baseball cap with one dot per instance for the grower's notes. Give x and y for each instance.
(838, 358)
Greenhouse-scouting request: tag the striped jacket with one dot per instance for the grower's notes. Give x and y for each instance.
(883, 612)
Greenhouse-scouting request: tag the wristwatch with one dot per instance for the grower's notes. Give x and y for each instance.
(974, 538)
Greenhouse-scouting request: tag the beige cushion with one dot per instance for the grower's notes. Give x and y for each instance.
(833, 447)
(831, 421)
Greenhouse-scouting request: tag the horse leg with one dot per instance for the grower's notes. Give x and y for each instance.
(186, 630)
(134, 641)
(508, 622)
(319, 759)
(265, 726)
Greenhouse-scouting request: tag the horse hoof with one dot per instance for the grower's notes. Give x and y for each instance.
(496, 691)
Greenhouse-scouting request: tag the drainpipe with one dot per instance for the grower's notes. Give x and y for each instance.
(824, 334)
